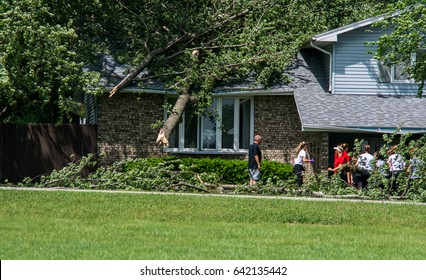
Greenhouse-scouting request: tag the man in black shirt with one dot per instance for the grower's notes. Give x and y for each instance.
(254, 160)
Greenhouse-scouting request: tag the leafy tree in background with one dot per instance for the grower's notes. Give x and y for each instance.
(407, 39)
(40, 67)
(190, 46)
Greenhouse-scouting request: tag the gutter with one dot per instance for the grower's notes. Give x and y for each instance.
(331, 64)
(349, 129)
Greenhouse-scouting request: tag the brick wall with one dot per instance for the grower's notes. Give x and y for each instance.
(277, 121)
(124, 128)
(124, 125)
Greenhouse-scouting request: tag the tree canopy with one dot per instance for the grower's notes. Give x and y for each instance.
(190, 46)
(39, 63)
(406, 45)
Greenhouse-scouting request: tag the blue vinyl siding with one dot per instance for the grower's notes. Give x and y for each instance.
(355, 70)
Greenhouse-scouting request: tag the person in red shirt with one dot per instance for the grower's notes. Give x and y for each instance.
(339, 160)
(339, 163)
(344, 148)
(347, 170)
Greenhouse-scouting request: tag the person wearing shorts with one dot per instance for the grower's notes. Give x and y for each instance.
(254, 160)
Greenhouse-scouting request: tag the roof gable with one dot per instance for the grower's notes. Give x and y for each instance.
(332, 35)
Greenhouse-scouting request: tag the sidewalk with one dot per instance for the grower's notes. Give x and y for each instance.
(217, 195)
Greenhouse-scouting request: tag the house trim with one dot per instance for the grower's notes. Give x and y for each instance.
(379, 130)
(216, 92)
(332, 35)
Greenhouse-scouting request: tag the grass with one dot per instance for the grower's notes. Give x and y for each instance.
(121, 226)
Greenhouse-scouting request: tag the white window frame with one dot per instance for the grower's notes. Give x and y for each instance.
(199, 149)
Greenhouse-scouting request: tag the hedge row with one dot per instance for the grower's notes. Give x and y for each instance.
(230, 171)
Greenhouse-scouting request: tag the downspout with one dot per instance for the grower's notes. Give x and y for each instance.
(330, 74)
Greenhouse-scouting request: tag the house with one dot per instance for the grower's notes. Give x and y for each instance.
(338, 93)
(365, 98)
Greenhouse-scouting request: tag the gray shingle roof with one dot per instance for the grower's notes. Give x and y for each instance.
(112, 73)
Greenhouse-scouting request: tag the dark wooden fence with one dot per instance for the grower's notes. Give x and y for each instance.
(35, 149)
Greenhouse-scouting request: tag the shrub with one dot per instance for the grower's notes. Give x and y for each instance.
(229, 171)
(276, 171)
(151, 162)
(198, 174)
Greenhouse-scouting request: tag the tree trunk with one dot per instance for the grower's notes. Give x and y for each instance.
(132, 74)
(173, 119)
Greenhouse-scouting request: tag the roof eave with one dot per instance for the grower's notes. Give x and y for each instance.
(220, 92)
(378, 130)
(332, 35)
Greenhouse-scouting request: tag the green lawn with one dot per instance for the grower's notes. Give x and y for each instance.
(91, 225)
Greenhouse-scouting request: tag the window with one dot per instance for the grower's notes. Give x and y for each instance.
(226, 126)
(228, 121)
(395, 73)
(398, 75)
(208, 127)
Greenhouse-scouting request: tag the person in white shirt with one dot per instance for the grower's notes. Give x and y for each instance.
(363, 168)
(302, 157)
(366, 159)
(381, 165)
(396, 166)
(415, 165)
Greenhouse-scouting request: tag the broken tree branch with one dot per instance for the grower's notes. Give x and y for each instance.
(191, 186)
(3, 111)
(205, 48)
(186, 37)
(146, 61)
(177, 111)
